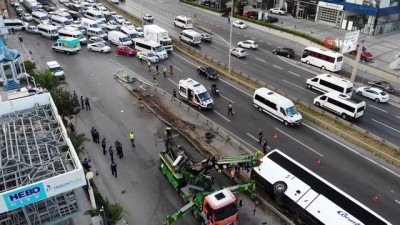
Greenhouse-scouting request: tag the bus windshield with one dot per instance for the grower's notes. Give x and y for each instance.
(349, 90)
(160, 49)
(226, 212)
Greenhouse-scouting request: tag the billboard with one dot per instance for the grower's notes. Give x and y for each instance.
(39, 191)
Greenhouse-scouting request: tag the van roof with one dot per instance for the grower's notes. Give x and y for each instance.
(190, 32)
(52, 64)
(153, 43)
(343, 97)
(192, 84)
(274, 97)
(333, 78)
(48, 26)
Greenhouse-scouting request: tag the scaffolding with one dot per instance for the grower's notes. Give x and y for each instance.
(32, 149)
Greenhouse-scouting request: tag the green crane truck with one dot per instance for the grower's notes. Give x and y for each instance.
(209, 203)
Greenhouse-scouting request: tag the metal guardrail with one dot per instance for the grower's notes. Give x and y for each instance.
(252, 83)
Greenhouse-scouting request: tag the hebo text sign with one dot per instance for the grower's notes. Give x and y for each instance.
(25, 196)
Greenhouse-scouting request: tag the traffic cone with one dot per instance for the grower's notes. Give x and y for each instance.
(318, 162)
(275, 136)
(376, 199)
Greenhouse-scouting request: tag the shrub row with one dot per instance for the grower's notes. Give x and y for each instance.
(200, 6)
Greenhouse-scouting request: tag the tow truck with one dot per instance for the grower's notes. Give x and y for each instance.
(209, 203)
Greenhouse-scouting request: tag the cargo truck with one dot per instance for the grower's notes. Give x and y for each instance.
(67, 45)
(30, 5)
(158, 34)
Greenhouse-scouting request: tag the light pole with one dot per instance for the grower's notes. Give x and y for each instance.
(89, 176)
(230, 38)
(104, 215)
(356, 61)
(33, 79)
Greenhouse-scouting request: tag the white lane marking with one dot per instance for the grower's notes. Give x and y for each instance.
(226, 42)
(354, 151)
(176, 84)
(397, 201)
(176, 67)
(260, 41)
(376, 121)
(252, 137)
(239, 60)
(223, 117)
(184, 59)
(316, 152)
(260, 60)
(293, 63)
(299, 86)
(293, 73)
(221, 43)
(398, 117)
(375, 107)
(277, 67)
(245, 35)
(269, 44)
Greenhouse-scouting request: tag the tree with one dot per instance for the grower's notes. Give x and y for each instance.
(77, 141)
(113, 212)
(65, 103)
(47, 80)
(30, 67)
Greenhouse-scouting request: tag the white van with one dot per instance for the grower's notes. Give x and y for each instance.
(55, 68)
(88, 23)
(97, 32)
(47, 30)
(16, 24)
(183, 22)
(71, 32)
(95, 15)
(40, 17)
(60, 22)
(190, 36)
(143, 45)
(327, 83)
(119, 38)
(64, 14)
(341, 105)
(277, 106)
(195, 93)
(132, 33)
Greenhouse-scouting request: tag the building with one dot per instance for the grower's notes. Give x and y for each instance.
(39, 168)
(372, 17)
(11, 67)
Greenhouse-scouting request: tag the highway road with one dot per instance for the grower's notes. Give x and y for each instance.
(380, 119)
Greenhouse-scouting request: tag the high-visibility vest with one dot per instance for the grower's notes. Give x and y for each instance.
(131, 136)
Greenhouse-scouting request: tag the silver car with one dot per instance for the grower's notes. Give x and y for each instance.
(148, 56)
(32, 30)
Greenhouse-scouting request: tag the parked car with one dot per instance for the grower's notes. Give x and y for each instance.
(148, 17)
(373, 93)
(287, 52)
(115, 1)
(383, 85)
(248, 44)
(239, 24)
(27, 17)
(112, 25)
(251, 14)
(365, 55)
(96, 40)
(119, 19)
(239, 52)
(207, 71)
(206, 37)
(277, 11)
(148, 56)
(99, 47)
(32, 30)
(125, 50)
(270, 19)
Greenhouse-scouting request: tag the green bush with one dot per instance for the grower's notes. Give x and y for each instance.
(199, 5)
(287, 30)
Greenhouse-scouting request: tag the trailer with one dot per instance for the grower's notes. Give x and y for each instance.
(209, 203)
(158, 34)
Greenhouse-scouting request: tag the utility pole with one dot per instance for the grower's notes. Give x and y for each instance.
(357, 60)
(230, 38)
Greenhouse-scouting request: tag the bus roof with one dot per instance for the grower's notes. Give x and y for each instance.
(274, 97)
(333, 78)
(317, 196)
(325, 52)
(345, 98)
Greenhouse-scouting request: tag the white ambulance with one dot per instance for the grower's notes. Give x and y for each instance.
(195, 93)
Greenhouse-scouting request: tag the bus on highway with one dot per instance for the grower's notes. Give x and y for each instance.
(308, 197)
(324, 59)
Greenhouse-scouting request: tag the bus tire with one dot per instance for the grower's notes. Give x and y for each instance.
(308, 62)
(309, 86)
(279, 188)
(323, 68)
(344, 116)
(359, 93)
(260, 109)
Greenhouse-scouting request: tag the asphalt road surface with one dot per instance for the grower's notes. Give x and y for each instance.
(380, 119)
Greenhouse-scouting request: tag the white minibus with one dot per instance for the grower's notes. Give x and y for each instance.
(88, 23)
(341, 105)
(40, 17)
(71, 32)
(327, 83)
(143, 45)
(59, 21)
(277, 106)
(15, 23)
(183, 22)
(190, 36)
(95, 15)
(64, 14)
(132, 33)
(47, 30)
(324, 59)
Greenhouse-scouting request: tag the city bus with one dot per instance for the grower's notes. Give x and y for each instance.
(308, 197)
(324, 59)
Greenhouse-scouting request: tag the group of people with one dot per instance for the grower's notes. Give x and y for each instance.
(265, 143)
(84, 101)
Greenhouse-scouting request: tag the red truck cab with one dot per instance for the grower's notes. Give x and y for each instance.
(220, 208)
(251, 14)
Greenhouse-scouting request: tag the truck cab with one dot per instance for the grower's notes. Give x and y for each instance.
(195, 93)
(67, 45)
(220, 208)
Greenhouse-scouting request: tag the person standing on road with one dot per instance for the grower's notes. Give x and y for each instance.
(96, 136)
(114, 169)
(132, 138)
(174, 93)
(260, 136)
(155, 80)
(111, 152)
(165, 71)
(93, 135)
(149, 65)
(20, 38)
(103, 144)
(141, 58)
(82, 102)
(170, 69)
(158, 72)
(230, 108)
(265, 147)
(87, 104)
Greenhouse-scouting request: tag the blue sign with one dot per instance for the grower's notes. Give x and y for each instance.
(25, 196)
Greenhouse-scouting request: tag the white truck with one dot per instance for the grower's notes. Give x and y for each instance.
(155, 33)
(67, 45)
(195, 93)
(30, 5)
(25, 92)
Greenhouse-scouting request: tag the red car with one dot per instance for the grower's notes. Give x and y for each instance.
(125, 50)
(365, 55)
(251, 14)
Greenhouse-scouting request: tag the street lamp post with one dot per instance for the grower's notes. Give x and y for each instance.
(356, 61)
(89, 176)
(230, 39)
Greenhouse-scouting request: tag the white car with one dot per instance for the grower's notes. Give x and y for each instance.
(119, 19)
(96, 40)
(248, 44)
(148, 17)
(239, 52)
(98, 47)
(148, 56)
(277, 11)
(239, 24)
(112, 25)
(27, 17)
(375, 94)
(32, 30)
(115, 1)
(101, 24)
(128, 25)
(140, 31)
